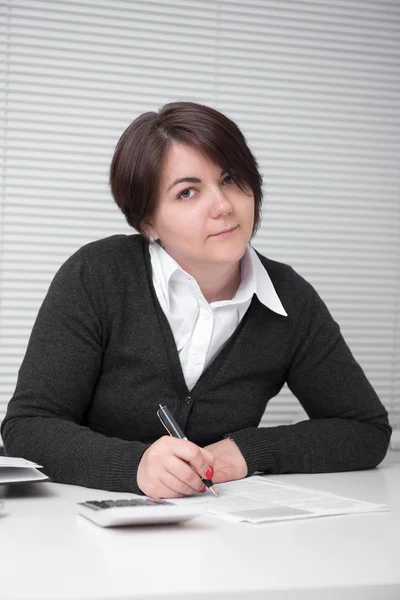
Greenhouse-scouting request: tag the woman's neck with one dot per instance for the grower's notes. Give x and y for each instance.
(218, 283)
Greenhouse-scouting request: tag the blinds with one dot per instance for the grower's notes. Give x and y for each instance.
(313, 85)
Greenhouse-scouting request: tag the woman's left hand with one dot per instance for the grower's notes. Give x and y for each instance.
(229, 463)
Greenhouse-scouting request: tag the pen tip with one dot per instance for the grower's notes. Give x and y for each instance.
(212, 488)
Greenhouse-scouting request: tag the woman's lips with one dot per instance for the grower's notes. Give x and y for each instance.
(225, 232)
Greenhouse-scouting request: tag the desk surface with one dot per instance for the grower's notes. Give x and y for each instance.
(48, 552)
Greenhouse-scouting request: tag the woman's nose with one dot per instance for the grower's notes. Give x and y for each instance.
(220, 204)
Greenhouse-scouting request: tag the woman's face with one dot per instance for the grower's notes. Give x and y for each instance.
(202, 217)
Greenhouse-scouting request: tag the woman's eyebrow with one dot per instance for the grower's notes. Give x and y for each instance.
(189, 180)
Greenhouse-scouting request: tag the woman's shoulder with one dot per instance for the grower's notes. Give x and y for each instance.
(106, 260)
(115, 246)
(292, 288)
(113, 252)
(282, 273)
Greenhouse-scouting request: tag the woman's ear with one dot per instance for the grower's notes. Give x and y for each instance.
(149, 230)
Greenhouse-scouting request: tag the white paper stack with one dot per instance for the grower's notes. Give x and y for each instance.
(17, 470)
(260, 499)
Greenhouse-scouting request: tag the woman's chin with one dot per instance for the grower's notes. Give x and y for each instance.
(228, 255)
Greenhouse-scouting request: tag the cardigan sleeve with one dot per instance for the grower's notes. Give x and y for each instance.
(46, 416)
(348, 426)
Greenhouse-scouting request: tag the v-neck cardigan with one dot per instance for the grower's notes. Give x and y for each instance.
(102, 356)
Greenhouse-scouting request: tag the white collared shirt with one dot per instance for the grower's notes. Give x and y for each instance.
(201, 329)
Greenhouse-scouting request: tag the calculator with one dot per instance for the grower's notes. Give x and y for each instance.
(136, 511)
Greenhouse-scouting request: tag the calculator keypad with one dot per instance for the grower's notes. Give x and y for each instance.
(123, 503)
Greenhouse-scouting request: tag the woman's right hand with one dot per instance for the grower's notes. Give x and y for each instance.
(173, 468)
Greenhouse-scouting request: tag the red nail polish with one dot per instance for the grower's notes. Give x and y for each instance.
(203, 489)
(209, 474)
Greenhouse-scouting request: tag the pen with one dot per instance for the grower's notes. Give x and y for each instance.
(174, 430)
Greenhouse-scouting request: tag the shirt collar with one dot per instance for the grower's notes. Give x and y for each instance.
(167, 263)
(165, 266)
(264, 288)
(255, 278)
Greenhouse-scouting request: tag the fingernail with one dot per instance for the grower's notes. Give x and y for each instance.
(209, 474)
(203, 489)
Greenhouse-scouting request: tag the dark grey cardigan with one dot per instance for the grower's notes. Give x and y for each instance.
(102, 356)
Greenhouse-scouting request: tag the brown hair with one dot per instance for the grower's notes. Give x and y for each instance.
(137, 161)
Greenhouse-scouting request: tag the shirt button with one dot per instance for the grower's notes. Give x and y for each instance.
(188, 399)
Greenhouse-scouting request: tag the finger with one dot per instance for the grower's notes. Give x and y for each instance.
(162, 491)
(201, 460)
(208, 457)
(180, 488)
(184, 472)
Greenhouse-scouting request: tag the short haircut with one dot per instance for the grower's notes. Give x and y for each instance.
(138, 158)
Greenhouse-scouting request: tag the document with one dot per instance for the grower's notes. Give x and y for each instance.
(261, 499)
(17, 470)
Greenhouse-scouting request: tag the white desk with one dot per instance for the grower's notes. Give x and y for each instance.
(48, 552)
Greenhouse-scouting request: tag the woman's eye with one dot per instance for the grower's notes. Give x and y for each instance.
(227, 180)
(186, 194)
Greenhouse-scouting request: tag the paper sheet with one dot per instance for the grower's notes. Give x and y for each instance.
(12, 461)
(260, 499)
(15, 470)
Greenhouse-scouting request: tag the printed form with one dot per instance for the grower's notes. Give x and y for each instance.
(259, 499)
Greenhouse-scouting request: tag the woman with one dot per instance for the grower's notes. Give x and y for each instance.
(186, 314)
